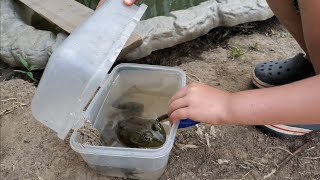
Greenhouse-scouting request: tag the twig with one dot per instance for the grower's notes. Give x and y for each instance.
(10, 99)
(311, 148)
(19, 104)
(245, 167)
(207, 140)
(311, 158)
(256, 163)
(293, 154)
(246, 174)
(6, 111)
(281, 149)
(287, 159)
(10, 109)
(270, 174)
(186, 146)
(273, 171)
(197, 78)
(2, 112)
(202, 142)
(306, 162)
(248, 163)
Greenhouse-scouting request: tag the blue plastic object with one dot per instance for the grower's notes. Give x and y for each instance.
(187, 123)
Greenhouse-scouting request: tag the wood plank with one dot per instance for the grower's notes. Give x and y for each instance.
(56, 11)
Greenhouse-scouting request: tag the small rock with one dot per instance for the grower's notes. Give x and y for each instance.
(26, 141)
(222, 161)
(260, 139)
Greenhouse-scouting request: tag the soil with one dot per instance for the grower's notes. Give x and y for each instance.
(29, 150)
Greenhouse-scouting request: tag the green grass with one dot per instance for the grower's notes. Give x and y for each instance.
(29, 68)
(236, 52)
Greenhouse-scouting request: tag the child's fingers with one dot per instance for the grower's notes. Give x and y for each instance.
(100, 3)
(129, 2)
(126, 2)
(181, 93)
(177, 104)
(179, 114)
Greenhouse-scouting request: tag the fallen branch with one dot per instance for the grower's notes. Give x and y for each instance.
(293, 154)
(287, 159)
(281, 149)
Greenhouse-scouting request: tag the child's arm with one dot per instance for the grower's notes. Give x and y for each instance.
(295, 103)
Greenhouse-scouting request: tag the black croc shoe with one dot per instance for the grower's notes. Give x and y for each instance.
(275, 73)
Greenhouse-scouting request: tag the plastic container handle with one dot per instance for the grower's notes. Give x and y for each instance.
(187, 123)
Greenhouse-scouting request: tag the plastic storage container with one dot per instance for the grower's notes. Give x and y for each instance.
(149, 85)
(76, 86)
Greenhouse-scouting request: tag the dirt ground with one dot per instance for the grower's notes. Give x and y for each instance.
(31, 151)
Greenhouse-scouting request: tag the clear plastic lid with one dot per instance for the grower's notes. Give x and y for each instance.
(80, 64)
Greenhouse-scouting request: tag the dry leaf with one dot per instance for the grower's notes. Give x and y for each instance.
(187, 146)
(207, 140)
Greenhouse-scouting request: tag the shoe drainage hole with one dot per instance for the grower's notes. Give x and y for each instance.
(276, 63)
(278, 73)
(262, 65)
(270, 69)
(270, 73)
(270, 65)
(271, 61)
(285, 62)
(261, 69)
(280, 67)
(288, 69)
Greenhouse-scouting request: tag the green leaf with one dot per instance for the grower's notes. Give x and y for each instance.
(24, 72)
(34, 80)
(33, 67)
(24, 62)
(225, 34)
(30, 74)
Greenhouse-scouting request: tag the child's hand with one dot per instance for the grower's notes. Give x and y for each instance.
(127, 2)
(201, 103)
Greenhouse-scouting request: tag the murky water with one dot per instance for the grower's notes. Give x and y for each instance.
(153, 95)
